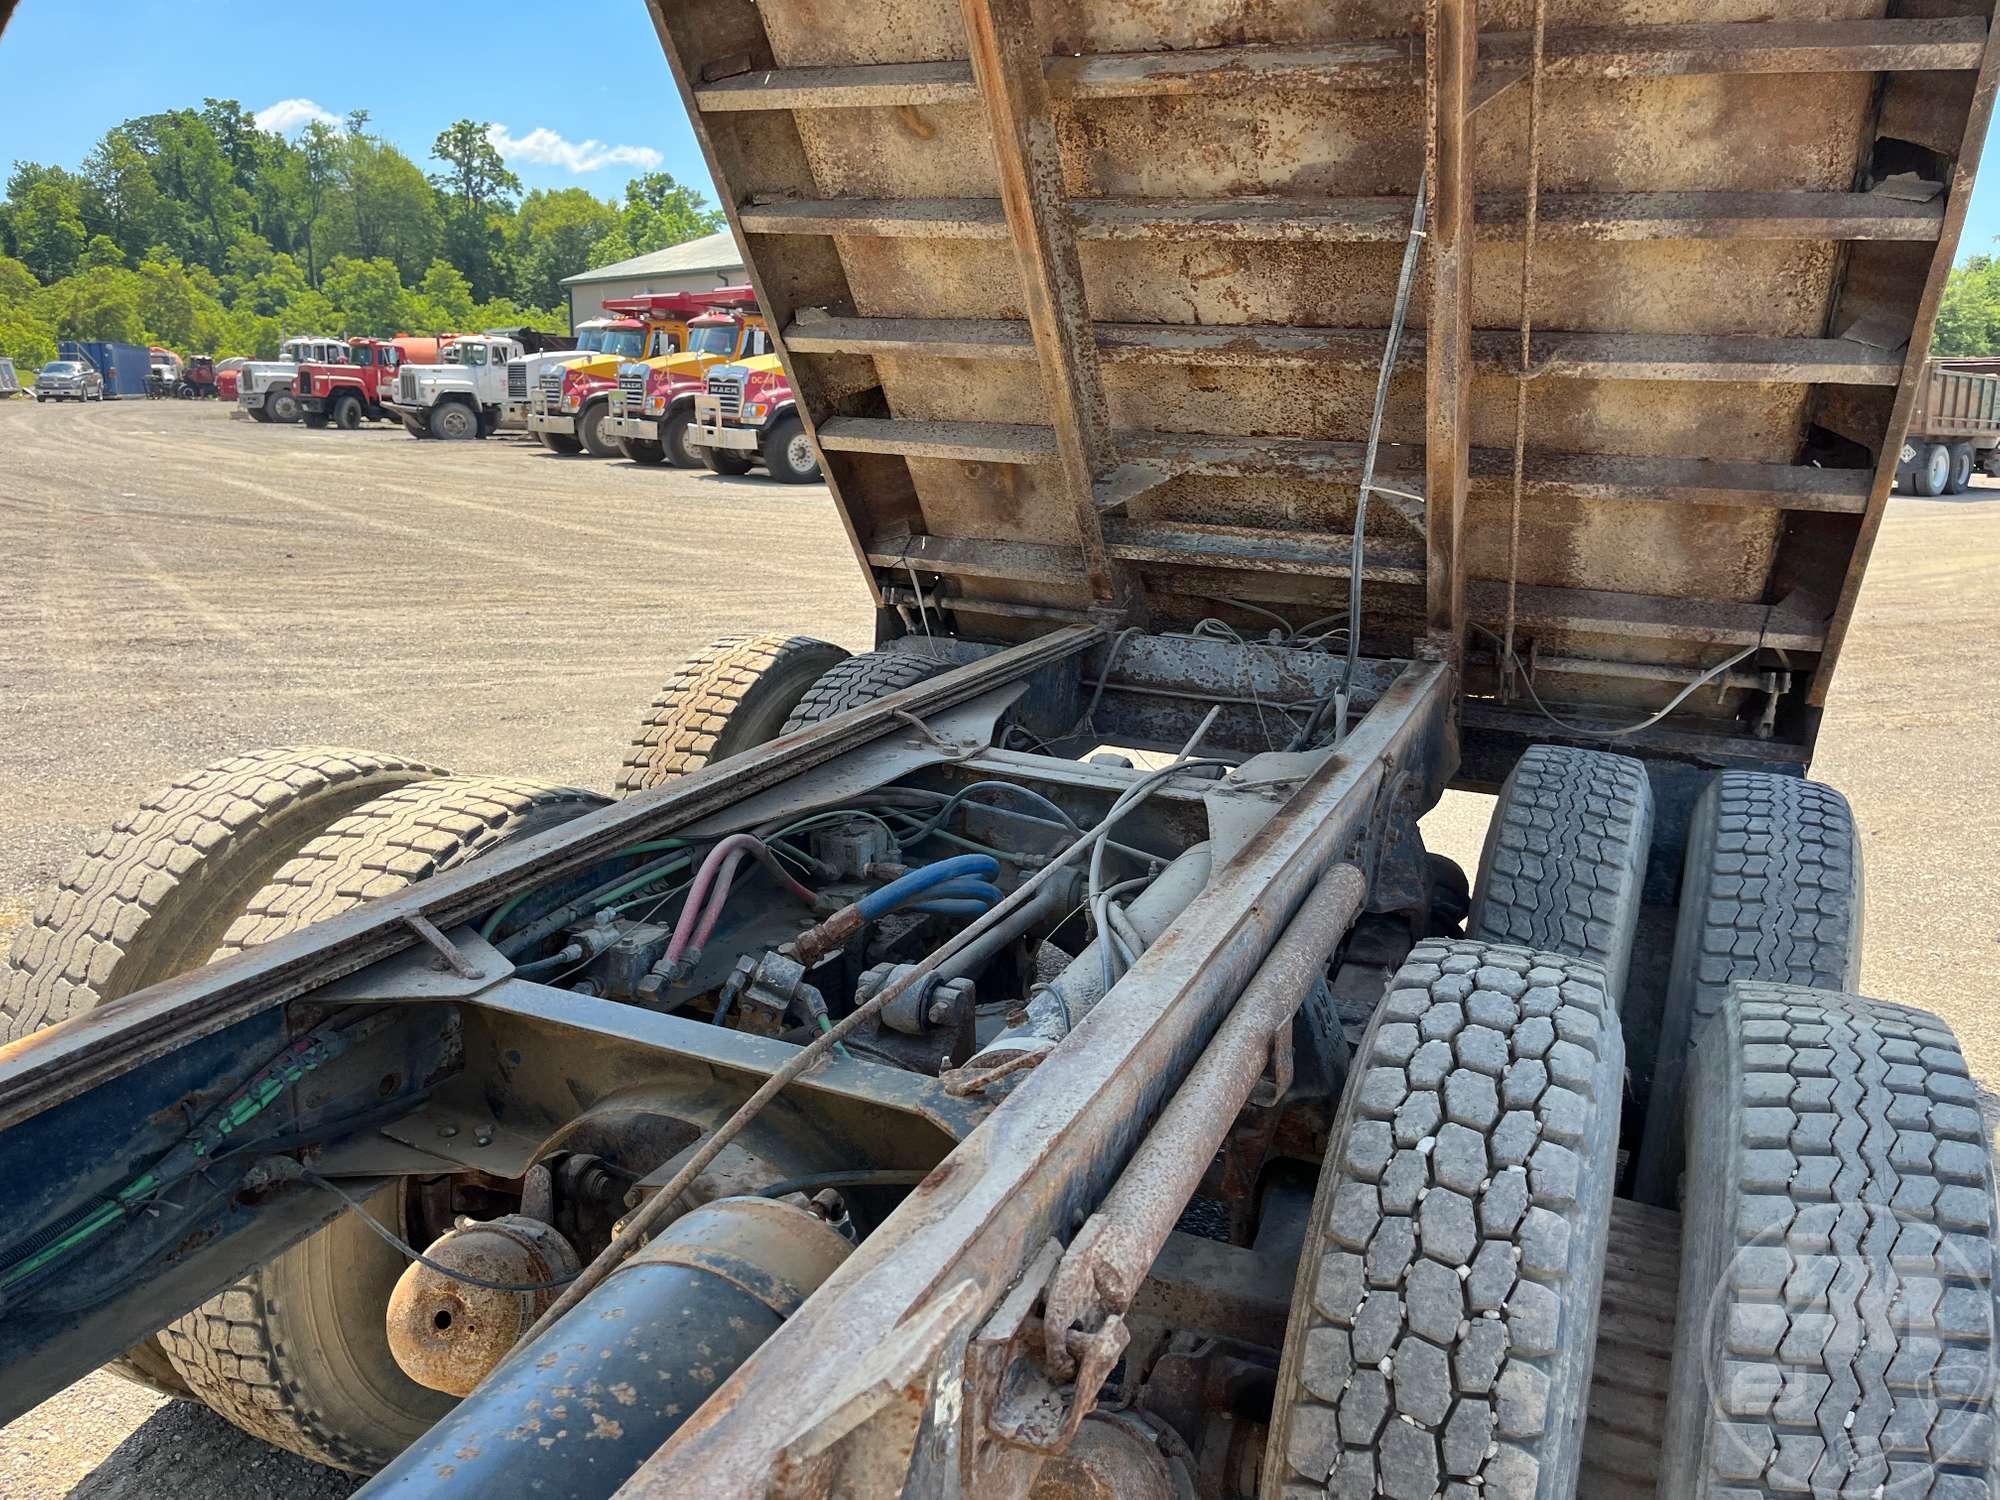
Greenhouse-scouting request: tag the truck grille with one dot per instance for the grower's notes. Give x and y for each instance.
(727, 389)
(552, 389)
(406, 387)
(517, 380)
(632, 390)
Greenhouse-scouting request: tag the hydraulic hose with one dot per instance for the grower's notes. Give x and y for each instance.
(647, 1217)
(922, 881)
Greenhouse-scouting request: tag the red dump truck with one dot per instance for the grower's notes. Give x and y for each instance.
(345, 395)
(903, 1091)
(1954, 428)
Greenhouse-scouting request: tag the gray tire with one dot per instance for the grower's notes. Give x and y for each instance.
(1771, 889)
(1565, 858)
(1962, 459)
(864, 678)
(789, 454)
(1932, 474)
(590, 431)
(731, 697)
(1836, 1328)
(153, 896)
(454, 422)
(674, 439)
(297, 1352)
(283, 406)
(1460, 1232)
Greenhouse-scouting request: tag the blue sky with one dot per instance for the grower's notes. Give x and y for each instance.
(583, 103)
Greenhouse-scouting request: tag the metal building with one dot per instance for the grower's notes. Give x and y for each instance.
(697, 266)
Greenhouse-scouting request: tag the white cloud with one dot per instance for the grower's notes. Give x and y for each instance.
(545, 148)
(289, 114)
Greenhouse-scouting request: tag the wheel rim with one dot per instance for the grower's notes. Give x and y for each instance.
(284, 408)
(1937, 467)
(457, 422)
(799, 454)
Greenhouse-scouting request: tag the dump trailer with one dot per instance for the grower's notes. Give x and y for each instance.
(1038, 1055)
(1954, 428)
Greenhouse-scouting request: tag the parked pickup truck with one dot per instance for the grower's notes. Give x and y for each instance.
(264, 388)
(460, 398)
(748, 415)
(652, 406)
(1954, 428)
(345, 395)
(572, 407)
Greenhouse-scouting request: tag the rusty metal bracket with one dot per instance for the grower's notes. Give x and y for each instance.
(859, 1441)
(448, 956)
(1016, 1400)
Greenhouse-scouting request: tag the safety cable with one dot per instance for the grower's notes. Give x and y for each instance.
(1527, 330)
(408, 1250)
(1614, 734)
(1358, 545)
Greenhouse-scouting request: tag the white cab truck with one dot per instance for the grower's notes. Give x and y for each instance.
(524, 375)
(264, 389)
(463, 398)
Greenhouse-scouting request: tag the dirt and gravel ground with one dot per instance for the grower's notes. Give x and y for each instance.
(176, 585)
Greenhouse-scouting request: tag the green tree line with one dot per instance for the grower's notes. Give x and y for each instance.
(196, 230)
(1968, 320)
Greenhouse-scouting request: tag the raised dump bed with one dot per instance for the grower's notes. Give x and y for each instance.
(900, 1091)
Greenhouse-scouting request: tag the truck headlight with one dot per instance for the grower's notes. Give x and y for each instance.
(753, 411)
(569, 401)
(656, 405)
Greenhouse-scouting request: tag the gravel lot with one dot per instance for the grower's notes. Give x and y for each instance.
(176, 585)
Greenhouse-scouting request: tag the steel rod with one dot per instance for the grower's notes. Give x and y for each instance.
(1110, 1257)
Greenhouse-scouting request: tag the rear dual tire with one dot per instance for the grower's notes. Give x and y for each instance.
(1836, 1332)
(1771, 890)
(297, 1352)
(737, 694)
(1564, 866)
(1444, 1320)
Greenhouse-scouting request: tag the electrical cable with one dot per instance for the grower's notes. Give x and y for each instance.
(965, 794)
(1357, 554)
(405, 1248)
(648, 1216)
(1617, 734)
(880, 1177)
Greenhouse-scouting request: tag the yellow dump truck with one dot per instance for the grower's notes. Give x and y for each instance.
(652, 407)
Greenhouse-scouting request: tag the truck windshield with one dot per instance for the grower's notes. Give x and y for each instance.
(60, 367)
(626, 343)
(591, 341)
(364, 356)
(717, 338)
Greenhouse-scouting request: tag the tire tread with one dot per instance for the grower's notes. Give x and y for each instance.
(1565, 858)
(1459, 1237)
(1841, 1209)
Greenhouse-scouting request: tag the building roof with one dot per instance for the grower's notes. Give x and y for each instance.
(712, 252)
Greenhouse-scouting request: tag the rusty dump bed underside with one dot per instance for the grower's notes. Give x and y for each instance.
(1086, 304)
